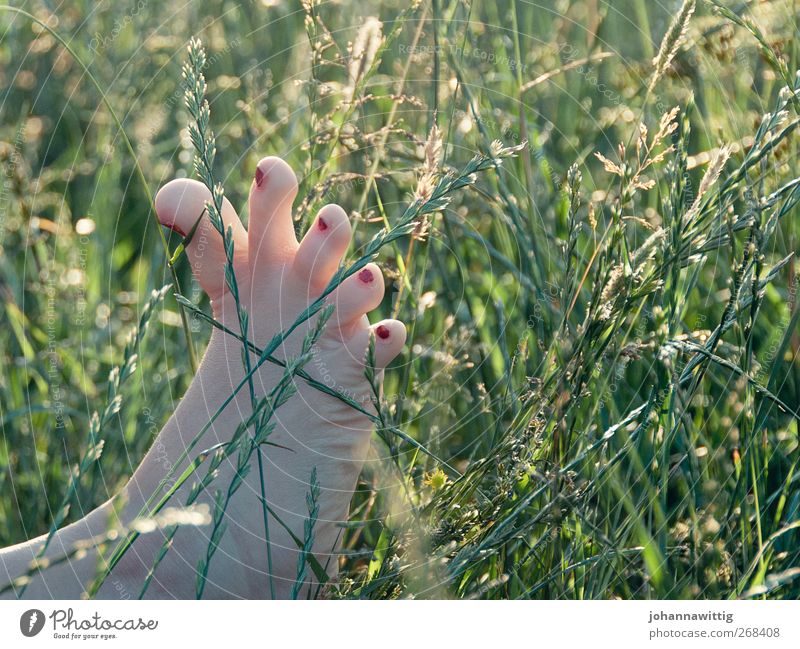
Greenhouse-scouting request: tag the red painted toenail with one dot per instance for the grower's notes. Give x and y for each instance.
(382, 331)
(366, 276)
(175, 228)
(321, 224)
(259, 176)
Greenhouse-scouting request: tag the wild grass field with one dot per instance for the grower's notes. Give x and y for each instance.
(600, 393)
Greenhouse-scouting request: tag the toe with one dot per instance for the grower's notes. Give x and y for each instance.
(323, 247)
(270, 228)
(356, 296)
(179, 204)
(390, 336)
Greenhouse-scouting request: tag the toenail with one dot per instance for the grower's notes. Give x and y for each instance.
(366, 276)
(259, 176)
(175, 228)
(321, 223)
(382, 331)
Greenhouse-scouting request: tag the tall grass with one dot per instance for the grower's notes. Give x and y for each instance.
(600, 393)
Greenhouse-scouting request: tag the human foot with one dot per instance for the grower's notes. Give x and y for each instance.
(277, 279)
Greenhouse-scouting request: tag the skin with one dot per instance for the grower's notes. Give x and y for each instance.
(277, 277)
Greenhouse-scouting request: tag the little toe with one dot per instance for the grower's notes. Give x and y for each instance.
(179, 204)
(356, 296)
(390, 336)
(323, 247)
(270, 228)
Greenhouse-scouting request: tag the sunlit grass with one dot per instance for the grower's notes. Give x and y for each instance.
(599, 397)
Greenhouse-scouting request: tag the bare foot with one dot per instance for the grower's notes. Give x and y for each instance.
(278, 278)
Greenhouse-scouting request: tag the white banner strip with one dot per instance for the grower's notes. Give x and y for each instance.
(394, 624)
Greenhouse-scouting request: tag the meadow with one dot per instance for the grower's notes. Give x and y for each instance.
(600, 393)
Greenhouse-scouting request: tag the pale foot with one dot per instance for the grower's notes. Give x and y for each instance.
(278, 278)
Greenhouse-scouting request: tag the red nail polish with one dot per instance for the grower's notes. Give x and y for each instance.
(175, 228)
(321, 224)
(382, 331)
(259, 176)
(366, 276)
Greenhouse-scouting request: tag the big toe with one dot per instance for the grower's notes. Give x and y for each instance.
(180, 206)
